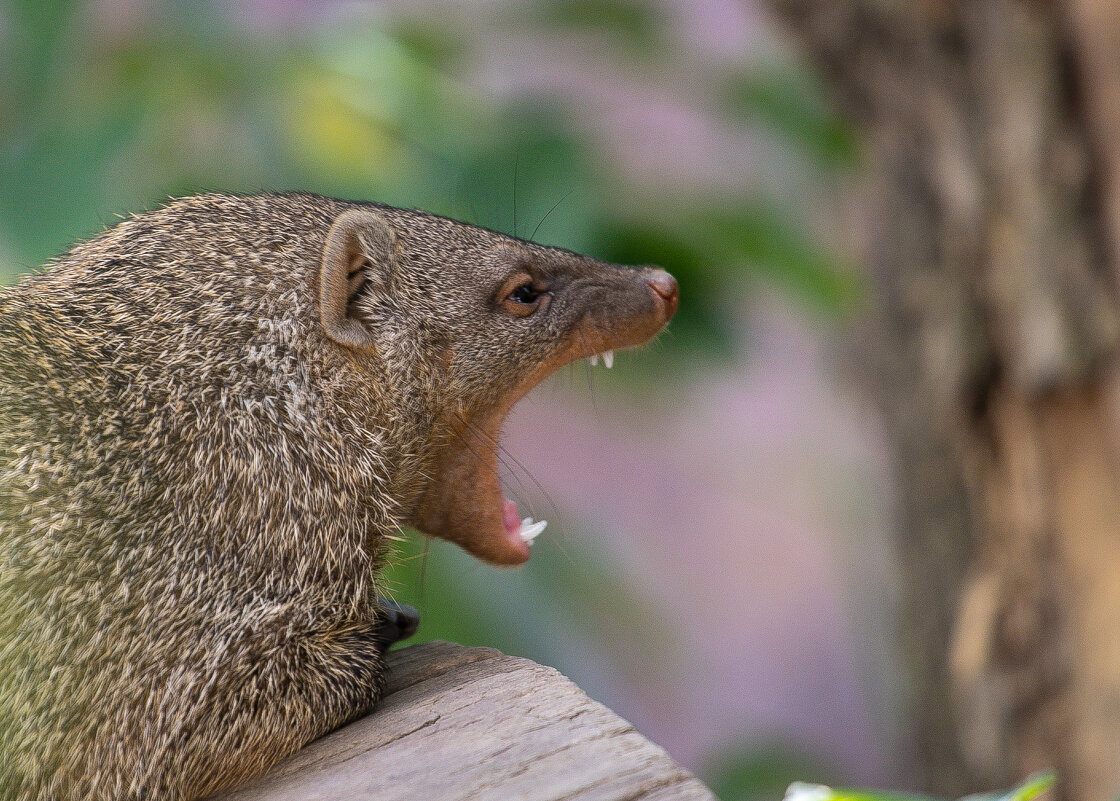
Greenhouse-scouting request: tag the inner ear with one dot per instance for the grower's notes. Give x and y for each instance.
(359, 267)
(358, 256)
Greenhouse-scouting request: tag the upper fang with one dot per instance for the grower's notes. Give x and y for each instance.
(608, 358)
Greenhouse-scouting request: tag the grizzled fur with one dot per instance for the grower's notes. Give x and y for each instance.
(186, 469)
(196, 483)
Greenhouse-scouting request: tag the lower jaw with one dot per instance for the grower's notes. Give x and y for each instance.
(484, 523)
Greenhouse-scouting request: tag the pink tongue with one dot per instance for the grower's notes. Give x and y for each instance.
(510, 518)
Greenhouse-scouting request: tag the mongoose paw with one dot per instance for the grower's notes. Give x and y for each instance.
(396, 622)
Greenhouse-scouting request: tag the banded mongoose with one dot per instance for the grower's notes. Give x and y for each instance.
(212, 417)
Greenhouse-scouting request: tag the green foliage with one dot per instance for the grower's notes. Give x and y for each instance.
(762, 772)
(1032, 788)
(1029, 790)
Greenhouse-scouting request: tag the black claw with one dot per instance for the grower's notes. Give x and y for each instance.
(397, 622)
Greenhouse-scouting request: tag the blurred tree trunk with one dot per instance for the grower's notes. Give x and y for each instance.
(993, 131)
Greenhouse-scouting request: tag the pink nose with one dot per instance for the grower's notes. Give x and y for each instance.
(665, 286)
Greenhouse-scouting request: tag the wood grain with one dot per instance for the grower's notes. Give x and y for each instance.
(469, 723)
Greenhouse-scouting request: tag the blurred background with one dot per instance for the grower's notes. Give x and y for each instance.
(720, 566)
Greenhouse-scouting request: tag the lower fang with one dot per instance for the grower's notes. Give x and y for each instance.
(530, 530)
(608, 359)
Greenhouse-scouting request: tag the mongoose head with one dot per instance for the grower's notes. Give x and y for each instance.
(212, 416)
(479, 318)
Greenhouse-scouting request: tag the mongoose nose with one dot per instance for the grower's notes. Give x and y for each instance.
(666, 288)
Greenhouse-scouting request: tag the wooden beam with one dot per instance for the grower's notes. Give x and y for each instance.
(472, 723)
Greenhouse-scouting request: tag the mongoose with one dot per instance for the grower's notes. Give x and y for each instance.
(212, 417)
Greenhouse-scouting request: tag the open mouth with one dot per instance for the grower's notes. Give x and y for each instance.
(526, 529)
(465, 503)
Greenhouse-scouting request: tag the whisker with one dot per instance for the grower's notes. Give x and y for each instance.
(473, 211)
(404, 560)
(422, 579)
(549, 212)
(463, 197)
(475, 453)
(516, 158)
(483, 437)
(501, 448)
(560, 545)
(498, 453)
(587, 370)
(453, 195)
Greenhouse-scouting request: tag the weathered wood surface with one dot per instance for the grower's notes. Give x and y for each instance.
(471, 723)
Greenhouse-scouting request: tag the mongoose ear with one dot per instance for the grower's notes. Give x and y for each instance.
(359, 251)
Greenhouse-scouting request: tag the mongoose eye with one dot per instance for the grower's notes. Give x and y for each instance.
(521, 296)
(525, 294)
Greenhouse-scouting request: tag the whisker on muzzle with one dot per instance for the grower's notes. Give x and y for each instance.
(521, 493)
(502, 455)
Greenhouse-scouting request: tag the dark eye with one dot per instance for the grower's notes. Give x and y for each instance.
(525, 294)
(520, 295)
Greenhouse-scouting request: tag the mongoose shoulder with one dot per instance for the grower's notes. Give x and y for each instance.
(211, 417)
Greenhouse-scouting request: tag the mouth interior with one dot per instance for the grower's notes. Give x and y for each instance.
(466, 503)
(510, 519)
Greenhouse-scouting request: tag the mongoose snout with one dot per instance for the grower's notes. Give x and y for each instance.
(213, 417)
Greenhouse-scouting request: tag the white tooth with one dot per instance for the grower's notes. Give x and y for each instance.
(530, 532)
(594, 359)
(528, 521)
(608, 358)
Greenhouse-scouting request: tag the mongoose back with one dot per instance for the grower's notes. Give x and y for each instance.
(212, 416)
